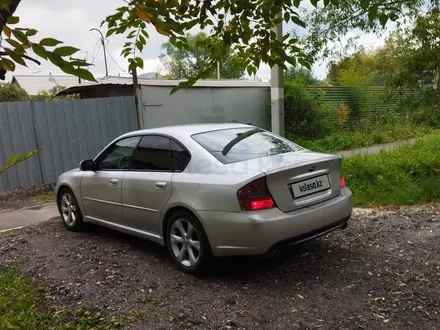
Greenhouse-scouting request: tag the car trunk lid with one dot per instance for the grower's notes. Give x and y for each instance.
(300, 179)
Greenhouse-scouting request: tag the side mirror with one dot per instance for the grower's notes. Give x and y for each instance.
(87, 165)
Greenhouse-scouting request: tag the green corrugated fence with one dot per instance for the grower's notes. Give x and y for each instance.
(366, 104)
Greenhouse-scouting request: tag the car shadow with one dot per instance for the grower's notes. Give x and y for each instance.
(314, 254)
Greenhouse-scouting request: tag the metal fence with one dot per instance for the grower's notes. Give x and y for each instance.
(67, 132)
(367, 104)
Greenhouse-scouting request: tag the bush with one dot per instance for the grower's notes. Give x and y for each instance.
(304, 112)
(410, 175)
(422, 107)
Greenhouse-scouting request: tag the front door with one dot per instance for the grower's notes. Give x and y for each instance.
(101, 190)
(147, 185)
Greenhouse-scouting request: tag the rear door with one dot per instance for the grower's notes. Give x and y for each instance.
(101, 190)
(147, 185)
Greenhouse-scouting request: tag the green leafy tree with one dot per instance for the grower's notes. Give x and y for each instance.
(328, 24)
(359, 69)
(192, 61)
(12, 93)
(301, 74)
(246, 27)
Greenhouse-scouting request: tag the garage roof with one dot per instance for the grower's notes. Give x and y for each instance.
(223, 83)
(34, 84)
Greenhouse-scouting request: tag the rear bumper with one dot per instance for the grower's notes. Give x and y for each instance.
(255, 233)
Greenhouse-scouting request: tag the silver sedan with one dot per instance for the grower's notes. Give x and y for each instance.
(208, 190)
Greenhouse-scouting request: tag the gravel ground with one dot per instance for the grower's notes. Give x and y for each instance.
(382, 272)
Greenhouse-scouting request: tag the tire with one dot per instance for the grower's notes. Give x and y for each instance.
(187, 243)
(69, 210)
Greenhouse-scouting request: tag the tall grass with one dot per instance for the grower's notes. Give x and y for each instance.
(409, 175)
(365, 137)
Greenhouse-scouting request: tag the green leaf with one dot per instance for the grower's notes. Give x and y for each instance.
(142, 40)
(383, 18)
(139, 45)
(372, 13)
(39, 51)
(365, 4)
(15, 44)
(84, 74)
(299, 22)
(14, 160)
(21, 36)
(110, 32)
(314, 3)
(7, 64)
(140, 62)
(66, 51)
(80, 63)
(174, 89)
(16, 57)
(286, 17)
(50, 42)
(305, 63)
(55, 59)
(326, 2)
(31, 32)
(13, 20)
(296, 3)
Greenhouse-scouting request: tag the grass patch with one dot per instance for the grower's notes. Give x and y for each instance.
(9, 233)
(23, 306)
(44, 196)
(409, 175)
(379, 134)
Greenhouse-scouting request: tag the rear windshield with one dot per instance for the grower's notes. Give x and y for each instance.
(240, 144)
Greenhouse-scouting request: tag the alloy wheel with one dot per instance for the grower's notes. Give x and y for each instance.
(68, 209)
(185, 242)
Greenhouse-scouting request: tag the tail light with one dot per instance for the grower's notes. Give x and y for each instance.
(255, 196)
(342, 182)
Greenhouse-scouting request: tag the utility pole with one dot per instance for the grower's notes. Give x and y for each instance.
(277, 89)
(137, 102)
(103, 47)
(79, 60)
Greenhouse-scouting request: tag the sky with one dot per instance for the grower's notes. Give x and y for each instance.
(71, 21)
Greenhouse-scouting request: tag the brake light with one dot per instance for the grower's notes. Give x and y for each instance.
(255, 196)
(342, 182)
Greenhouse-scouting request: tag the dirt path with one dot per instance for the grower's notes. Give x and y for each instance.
(382, 272)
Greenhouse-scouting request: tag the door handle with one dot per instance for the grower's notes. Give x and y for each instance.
(114, 182)
(161, 185)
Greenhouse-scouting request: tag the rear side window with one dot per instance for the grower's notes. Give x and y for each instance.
(159, 153)
(240, 144)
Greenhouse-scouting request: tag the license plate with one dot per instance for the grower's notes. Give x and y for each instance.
(310, 186)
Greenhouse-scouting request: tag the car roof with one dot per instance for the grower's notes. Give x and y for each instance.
(187, 130)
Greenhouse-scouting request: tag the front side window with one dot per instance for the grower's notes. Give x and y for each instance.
(159, 153)
(118, 155)
(241, 144)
